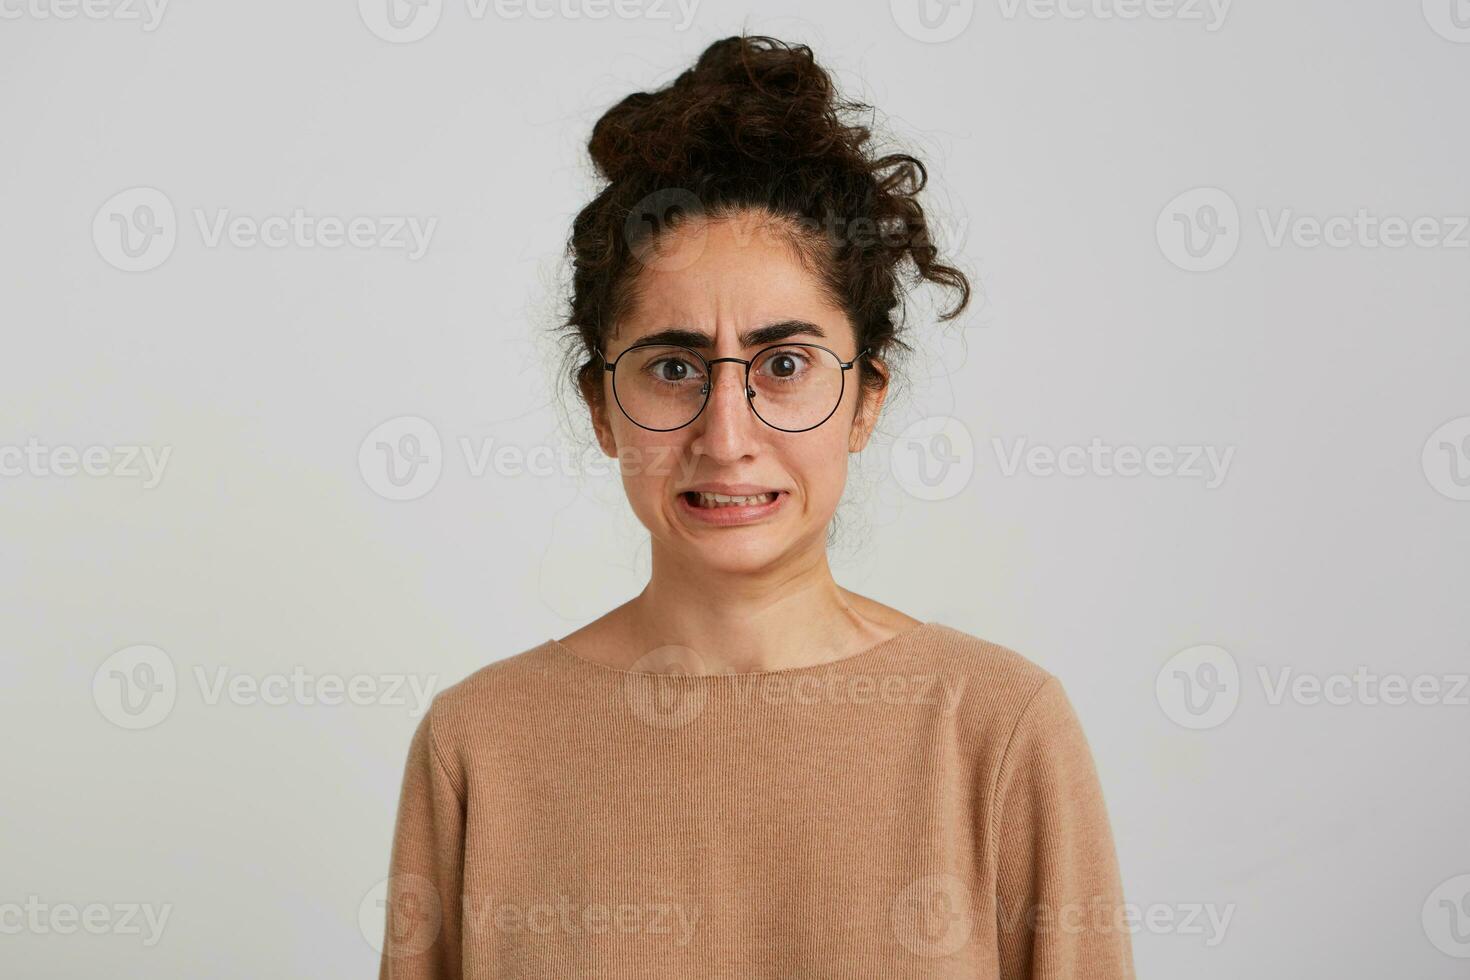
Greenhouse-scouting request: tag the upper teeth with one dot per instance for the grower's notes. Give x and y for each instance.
(720, 499)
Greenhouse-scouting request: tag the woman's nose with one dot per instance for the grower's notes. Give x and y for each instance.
(728, 397)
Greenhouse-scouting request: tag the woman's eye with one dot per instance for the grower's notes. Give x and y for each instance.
(672, 369)
(785, 364)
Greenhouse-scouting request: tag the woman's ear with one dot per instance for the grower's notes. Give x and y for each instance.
(870, 404)
(596, 402)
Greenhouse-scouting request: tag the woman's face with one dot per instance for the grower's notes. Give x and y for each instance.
(723, 280)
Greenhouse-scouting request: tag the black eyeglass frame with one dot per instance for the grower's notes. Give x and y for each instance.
(709, 378)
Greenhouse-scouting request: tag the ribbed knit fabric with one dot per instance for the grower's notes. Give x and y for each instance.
(925, 808)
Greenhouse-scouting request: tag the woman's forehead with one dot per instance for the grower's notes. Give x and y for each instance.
(726, 273)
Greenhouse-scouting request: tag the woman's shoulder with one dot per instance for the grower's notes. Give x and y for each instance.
(493, 690)
(994, 685)
(1000, 668)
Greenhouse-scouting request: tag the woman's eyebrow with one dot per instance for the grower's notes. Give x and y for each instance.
(759, 337)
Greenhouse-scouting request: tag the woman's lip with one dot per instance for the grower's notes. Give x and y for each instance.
(727, 516)
(732, 489)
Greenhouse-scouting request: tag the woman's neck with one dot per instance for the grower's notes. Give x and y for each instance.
(710, 621)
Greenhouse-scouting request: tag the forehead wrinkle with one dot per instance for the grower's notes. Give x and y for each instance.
(713, 287)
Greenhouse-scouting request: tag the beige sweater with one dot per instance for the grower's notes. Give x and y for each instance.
(925, 808)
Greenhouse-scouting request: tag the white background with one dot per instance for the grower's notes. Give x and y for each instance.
(1335, 543)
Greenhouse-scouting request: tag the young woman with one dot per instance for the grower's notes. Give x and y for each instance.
(748, 771)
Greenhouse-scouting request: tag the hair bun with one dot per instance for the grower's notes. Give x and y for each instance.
(746, 101)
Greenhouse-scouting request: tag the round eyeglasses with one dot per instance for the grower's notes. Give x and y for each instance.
(790, 387)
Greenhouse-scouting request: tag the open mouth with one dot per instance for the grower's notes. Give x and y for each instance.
(713, 501)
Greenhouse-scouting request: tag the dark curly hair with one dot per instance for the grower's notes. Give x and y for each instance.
(758, 125)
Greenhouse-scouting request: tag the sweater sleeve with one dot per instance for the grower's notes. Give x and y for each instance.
(1059, 902)
(422, 936)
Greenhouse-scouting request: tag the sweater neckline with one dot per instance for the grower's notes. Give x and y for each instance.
(876, 648)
